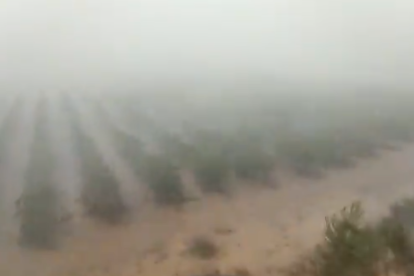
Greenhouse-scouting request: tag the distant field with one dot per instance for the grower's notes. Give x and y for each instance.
(120, 186)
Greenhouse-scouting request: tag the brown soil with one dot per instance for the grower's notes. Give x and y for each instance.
(258, 229)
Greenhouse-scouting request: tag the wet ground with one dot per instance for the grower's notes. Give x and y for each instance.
(260, 229)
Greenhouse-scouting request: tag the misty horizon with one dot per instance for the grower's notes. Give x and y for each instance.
(96, 45)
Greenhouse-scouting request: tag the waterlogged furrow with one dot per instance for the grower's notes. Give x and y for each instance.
(20, 128)
(140, 126)
(145, 124)
(128, 115)
(42, 165)
(128, 121)
(101, 139)
(7, 134)
(128, 147)
(67, 174)
(6, 107)
(110, 114)
(84, 148)
(39, 205)
(100, 196)
(9, 116)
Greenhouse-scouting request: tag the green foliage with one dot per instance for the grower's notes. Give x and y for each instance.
(101, 196)
(215, 157)
(309, 156)
(177, 150)
(352, 247)
(211, 171)
(164, 180)
(130, 148)
(399, 129)
(397, 239)
(237, 271)
(360, 145)
(255, 166)
(403, 211)
(203, 248)
(38, 212)
(248, 158)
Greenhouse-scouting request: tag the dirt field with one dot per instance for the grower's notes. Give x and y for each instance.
(259, 229)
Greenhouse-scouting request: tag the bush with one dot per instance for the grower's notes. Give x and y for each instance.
(350, 245)
(360, 146)
(396, 129)
(353, 247)
(164, 180)
(203, 248)
(253, 166)
(398, 241)
(101, 196)
(38, 212)
(238, 271)
(215, 156)
(130, 148)
(176, 149)
(249, 160)
(403, 211)
(211, 171)
(309, 156)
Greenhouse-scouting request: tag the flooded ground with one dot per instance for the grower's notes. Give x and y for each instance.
(260, 229)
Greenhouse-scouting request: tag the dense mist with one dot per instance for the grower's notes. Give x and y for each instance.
(111, 46)
(206, 138)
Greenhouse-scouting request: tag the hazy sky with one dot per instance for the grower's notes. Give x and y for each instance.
(60, 43)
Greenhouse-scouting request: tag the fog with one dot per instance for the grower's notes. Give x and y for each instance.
(115, 45)
(132, 132)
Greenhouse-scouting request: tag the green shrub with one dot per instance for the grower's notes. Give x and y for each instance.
(177, 150)
(38, 212)
(403, 211)
(163, 178)
(211, 171)
(248, 158)
(130, 148)
(203, 248)
(350, 245)
(310, 156)
(398, 240)
(360, 146)
(255, 165)
(353, 247)
(101, 196)
(396, 129)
